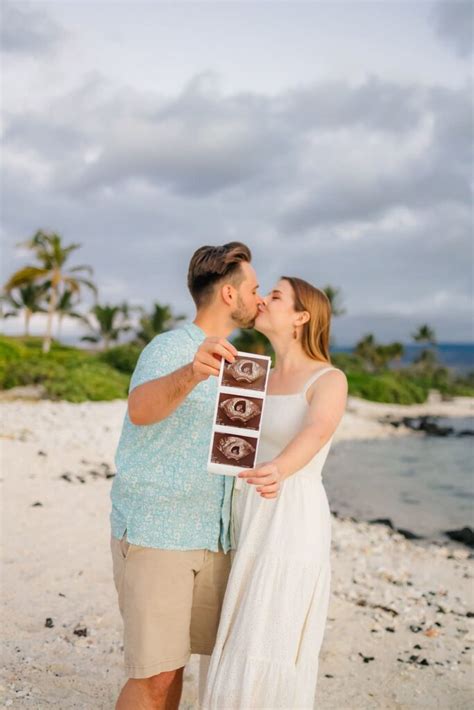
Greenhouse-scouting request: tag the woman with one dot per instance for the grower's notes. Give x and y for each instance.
(275, 607)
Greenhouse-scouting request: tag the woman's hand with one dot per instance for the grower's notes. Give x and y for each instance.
(266, 477)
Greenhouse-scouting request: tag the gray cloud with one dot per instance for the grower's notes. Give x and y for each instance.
(426, 161)
(362, 186)
(316, 140)
(454, 23)
(26, 29)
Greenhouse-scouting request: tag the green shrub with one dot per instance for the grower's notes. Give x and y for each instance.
(122, 357)
(388, 387)
(32, 371)
(34, 343)
(93, 381)
(66, 373)
(10, 350)
(348, 362)
(75, 381)
(442, 379)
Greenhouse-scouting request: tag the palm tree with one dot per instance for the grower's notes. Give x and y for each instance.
(427, 358)
(110, 322)
(394, 351)
(52, 256)
(366, 349)
(384, 354)
(26, 298)
(160, 320)
(335, 297)
(65, 307)
(376, 355)
(424, 334)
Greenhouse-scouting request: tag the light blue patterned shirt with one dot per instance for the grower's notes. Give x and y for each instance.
(163, 495)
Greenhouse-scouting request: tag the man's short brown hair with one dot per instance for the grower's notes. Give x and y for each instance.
(209, 265)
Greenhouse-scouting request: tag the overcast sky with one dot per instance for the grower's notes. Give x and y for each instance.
(335, 139)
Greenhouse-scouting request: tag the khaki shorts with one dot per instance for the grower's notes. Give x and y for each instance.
(170, 601)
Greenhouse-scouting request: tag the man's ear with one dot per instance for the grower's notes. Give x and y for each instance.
(227, 294)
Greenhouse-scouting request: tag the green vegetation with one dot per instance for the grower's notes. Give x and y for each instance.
(407, 385)
(65, 373)
(77, 375)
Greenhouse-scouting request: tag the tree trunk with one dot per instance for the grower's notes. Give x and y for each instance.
(49, 324)
(27, 321)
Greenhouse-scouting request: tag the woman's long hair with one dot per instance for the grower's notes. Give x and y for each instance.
(316, 332)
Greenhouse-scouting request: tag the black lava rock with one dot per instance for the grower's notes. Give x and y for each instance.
(464, 535)
(366, 659)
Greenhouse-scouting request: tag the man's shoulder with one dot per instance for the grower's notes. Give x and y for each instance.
(175, 337)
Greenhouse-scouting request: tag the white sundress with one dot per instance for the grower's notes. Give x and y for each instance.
(275, 607)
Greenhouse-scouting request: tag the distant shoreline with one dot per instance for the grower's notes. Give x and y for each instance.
(457, 356)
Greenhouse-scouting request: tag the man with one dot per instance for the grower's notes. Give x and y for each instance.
(170, 517)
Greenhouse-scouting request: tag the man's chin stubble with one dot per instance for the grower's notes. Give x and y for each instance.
(244, 324)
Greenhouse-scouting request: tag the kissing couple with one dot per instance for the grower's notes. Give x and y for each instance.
(253, 604)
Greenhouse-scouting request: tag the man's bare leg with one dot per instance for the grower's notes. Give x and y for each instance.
(160, 692)
(175, 690)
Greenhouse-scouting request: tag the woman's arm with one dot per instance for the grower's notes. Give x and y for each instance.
(325, 411)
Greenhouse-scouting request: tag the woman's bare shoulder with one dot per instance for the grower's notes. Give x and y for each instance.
(334, 380)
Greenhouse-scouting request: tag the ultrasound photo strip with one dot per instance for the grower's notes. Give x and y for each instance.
(238, 413)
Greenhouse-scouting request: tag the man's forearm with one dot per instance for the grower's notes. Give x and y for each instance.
(155, 400)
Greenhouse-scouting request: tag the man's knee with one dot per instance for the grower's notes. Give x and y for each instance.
(159, 685)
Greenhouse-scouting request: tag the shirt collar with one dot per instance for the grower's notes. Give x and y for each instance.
(195, 332)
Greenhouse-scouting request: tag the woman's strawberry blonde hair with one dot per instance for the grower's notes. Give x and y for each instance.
(316, 332)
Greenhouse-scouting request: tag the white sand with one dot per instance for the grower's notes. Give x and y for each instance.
(56, 564)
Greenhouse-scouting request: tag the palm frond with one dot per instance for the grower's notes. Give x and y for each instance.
(86, 282)
(25, 275)
(82, 267)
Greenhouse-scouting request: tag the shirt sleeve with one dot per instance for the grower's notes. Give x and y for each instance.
(161, 356)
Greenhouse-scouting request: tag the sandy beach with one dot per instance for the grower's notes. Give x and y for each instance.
(400, 628)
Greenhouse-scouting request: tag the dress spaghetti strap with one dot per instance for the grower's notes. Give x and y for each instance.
(316, 375)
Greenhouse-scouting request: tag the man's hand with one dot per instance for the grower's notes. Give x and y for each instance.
(267, 478)
(207, 360)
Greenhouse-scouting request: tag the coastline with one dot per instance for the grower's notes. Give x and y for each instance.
(399, 631)
(371, 420)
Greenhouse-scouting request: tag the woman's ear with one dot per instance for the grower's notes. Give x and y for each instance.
(303, 317)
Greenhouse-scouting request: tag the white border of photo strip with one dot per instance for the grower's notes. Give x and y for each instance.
(228, 469)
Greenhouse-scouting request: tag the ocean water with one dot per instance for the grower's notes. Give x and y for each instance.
(458, 356)
(423, 483)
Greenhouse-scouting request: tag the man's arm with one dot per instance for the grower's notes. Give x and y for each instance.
(155, 400)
